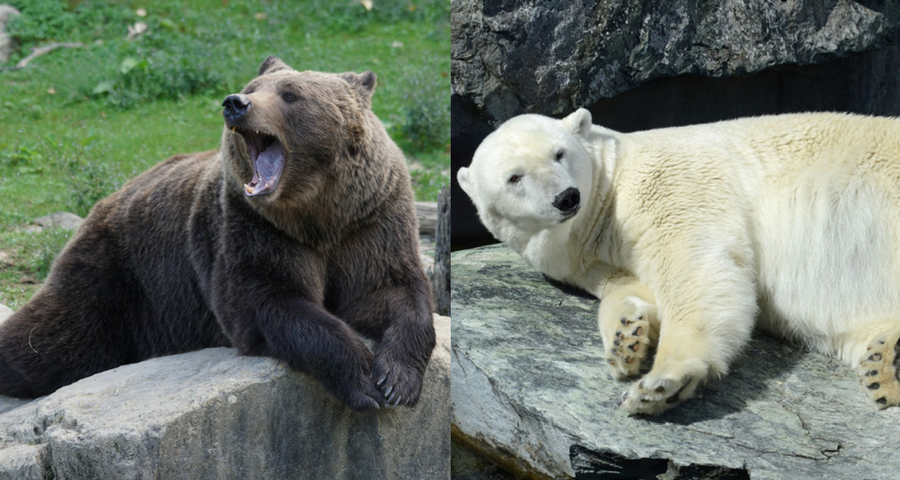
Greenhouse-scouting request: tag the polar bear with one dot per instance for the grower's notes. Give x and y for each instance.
(693, 235)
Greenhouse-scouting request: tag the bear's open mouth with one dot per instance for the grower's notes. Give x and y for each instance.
(267, 157)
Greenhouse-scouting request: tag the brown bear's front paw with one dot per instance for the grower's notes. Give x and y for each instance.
(879, 370)
(359, 393)
(351, 381)
(399, 382)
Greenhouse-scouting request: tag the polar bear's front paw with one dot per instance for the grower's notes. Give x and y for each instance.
(879, 370)
(662, 389)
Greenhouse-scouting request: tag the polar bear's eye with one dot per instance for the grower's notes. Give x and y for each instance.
(559, 155)
(513, 179)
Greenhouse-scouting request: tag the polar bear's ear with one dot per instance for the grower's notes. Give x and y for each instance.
(462, 176)
(579, 123)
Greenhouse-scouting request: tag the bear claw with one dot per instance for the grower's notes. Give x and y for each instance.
(399, 383)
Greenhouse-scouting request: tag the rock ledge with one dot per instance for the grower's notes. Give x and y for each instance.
(215, 414)
(531, 391)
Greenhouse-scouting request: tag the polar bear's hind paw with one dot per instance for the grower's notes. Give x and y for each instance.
(879, 370)
(630, 346)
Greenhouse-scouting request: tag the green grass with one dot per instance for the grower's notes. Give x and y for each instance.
(75, 124)
(26, 260)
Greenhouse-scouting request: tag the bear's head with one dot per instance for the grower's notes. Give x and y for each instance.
(286, 130)
(531, 174)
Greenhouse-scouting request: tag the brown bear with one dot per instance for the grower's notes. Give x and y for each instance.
(295, 238)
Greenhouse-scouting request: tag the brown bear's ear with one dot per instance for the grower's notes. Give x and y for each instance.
(363, 83)
(272, 64)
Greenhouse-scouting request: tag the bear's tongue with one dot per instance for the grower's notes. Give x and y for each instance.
(267, 167)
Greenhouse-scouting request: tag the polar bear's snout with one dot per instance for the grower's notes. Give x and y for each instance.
(568, 202)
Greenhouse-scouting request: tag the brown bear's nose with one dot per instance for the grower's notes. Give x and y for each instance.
(236, 106)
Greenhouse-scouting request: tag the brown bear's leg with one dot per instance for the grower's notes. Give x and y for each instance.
(311, 340)
(79, 323)
(62, 336)
(401, 318)
(12, 382)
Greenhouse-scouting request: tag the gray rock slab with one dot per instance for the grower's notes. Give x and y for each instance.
(21, 462)
(213, 414)
(66, 220)
(6, 44)
(427, 216)
(531, 391)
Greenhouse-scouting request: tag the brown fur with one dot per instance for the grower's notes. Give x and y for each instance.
(181, 258)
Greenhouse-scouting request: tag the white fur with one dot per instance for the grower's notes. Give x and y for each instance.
(790, 220)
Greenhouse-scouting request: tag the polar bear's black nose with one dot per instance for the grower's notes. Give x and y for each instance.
(236, 106)
(568, 201)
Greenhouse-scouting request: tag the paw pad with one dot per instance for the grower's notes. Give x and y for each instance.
(630, 346)
(879, 370)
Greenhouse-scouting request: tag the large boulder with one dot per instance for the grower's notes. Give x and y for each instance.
(553, 57)
(532, 393)
(214, 414)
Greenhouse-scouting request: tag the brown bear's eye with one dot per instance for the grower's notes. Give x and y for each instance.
(513, 179)
(288, 97)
